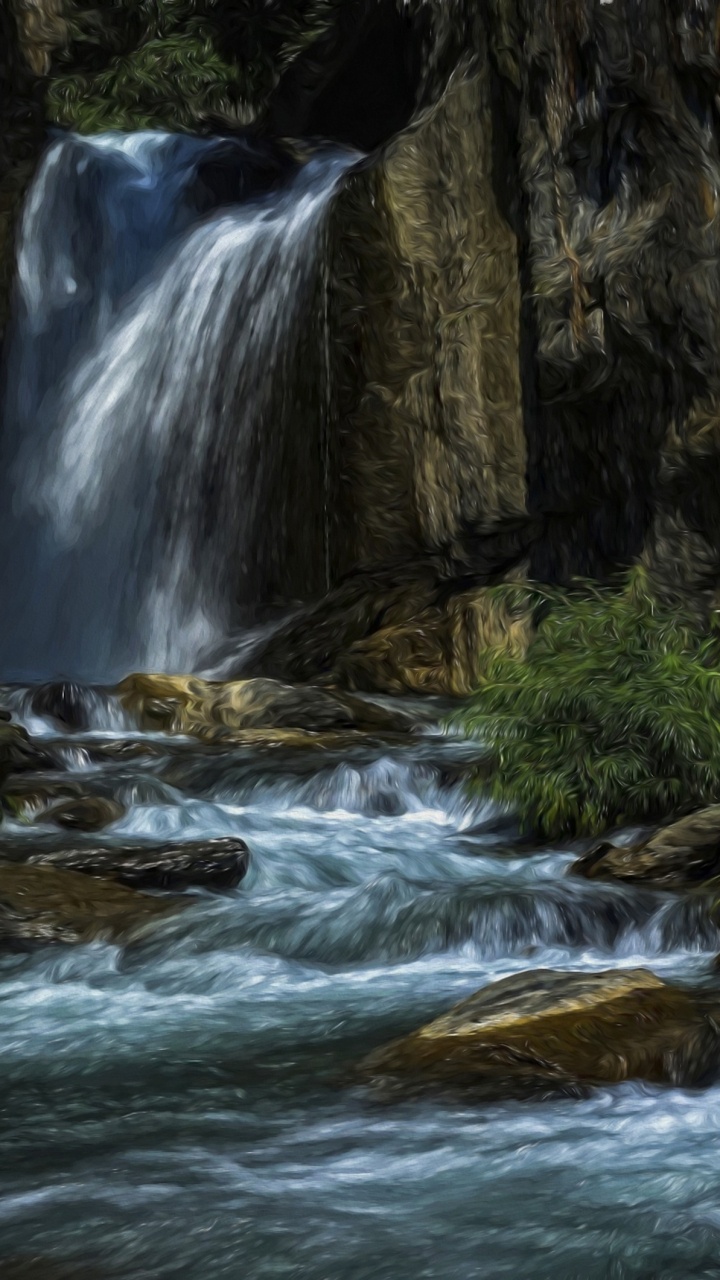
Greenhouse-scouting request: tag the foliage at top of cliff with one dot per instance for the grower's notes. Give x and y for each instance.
(613, 717)
(177, 64)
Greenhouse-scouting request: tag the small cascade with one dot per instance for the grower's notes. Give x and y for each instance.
(152, 371)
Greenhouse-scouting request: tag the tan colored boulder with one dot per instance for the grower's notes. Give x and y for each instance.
(47, 904)
(554, 1029)
(215, 710)
(676, 857)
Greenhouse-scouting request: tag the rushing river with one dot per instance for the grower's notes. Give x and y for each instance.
(182, 1106)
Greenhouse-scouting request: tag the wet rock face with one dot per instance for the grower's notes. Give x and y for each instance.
(550, 1030)
(215, 864)
(618, 164)
(676, 857)
(50, 904)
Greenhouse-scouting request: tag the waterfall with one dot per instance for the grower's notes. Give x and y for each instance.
(151, 487)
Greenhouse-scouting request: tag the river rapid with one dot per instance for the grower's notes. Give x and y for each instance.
(183, 1105)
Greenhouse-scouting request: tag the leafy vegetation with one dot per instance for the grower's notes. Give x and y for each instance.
(174, 64)
(613, 716)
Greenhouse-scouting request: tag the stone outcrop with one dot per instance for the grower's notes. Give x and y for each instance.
(426, 322)
(619, 169)
(548, 1030)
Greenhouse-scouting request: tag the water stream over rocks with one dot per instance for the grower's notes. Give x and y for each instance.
(181, 1105)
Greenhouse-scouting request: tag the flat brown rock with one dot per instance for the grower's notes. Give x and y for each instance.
(553, 1028)
(675, 857)
(50, 904)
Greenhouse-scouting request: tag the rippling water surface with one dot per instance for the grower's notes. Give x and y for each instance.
(182, 1106)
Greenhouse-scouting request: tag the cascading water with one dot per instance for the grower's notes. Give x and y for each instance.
(148, 475)
(181, 1105)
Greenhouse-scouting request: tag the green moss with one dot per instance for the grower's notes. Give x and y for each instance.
(166, 83)
(174, 64)
(614, 716)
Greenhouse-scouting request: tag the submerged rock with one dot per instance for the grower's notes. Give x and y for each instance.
(678, 856)
(551, 1030)
(51, 904)
(84, 813)
(217, 863)
(214, 710)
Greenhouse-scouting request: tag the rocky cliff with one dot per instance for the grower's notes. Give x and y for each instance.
(522, 283)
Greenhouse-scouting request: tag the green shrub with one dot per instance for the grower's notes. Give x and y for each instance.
(614, 715)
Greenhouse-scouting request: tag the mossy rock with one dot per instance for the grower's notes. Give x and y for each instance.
(552, 1030)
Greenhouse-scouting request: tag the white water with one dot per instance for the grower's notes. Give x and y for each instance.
(180, 1107)
(149, 483)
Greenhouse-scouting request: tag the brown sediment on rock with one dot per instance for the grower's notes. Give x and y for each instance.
(49, 904)
(684, 854)
(551, 1030)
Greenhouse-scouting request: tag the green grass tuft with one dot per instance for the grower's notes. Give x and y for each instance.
(613, 717)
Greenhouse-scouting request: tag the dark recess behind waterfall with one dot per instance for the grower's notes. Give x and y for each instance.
(356, 86)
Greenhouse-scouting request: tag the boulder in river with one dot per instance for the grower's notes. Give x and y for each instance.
(62, 701)
(213, 710)
(214, 864)
(51, 904)
(84, 813)
(678, 856)
(550, 1030)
